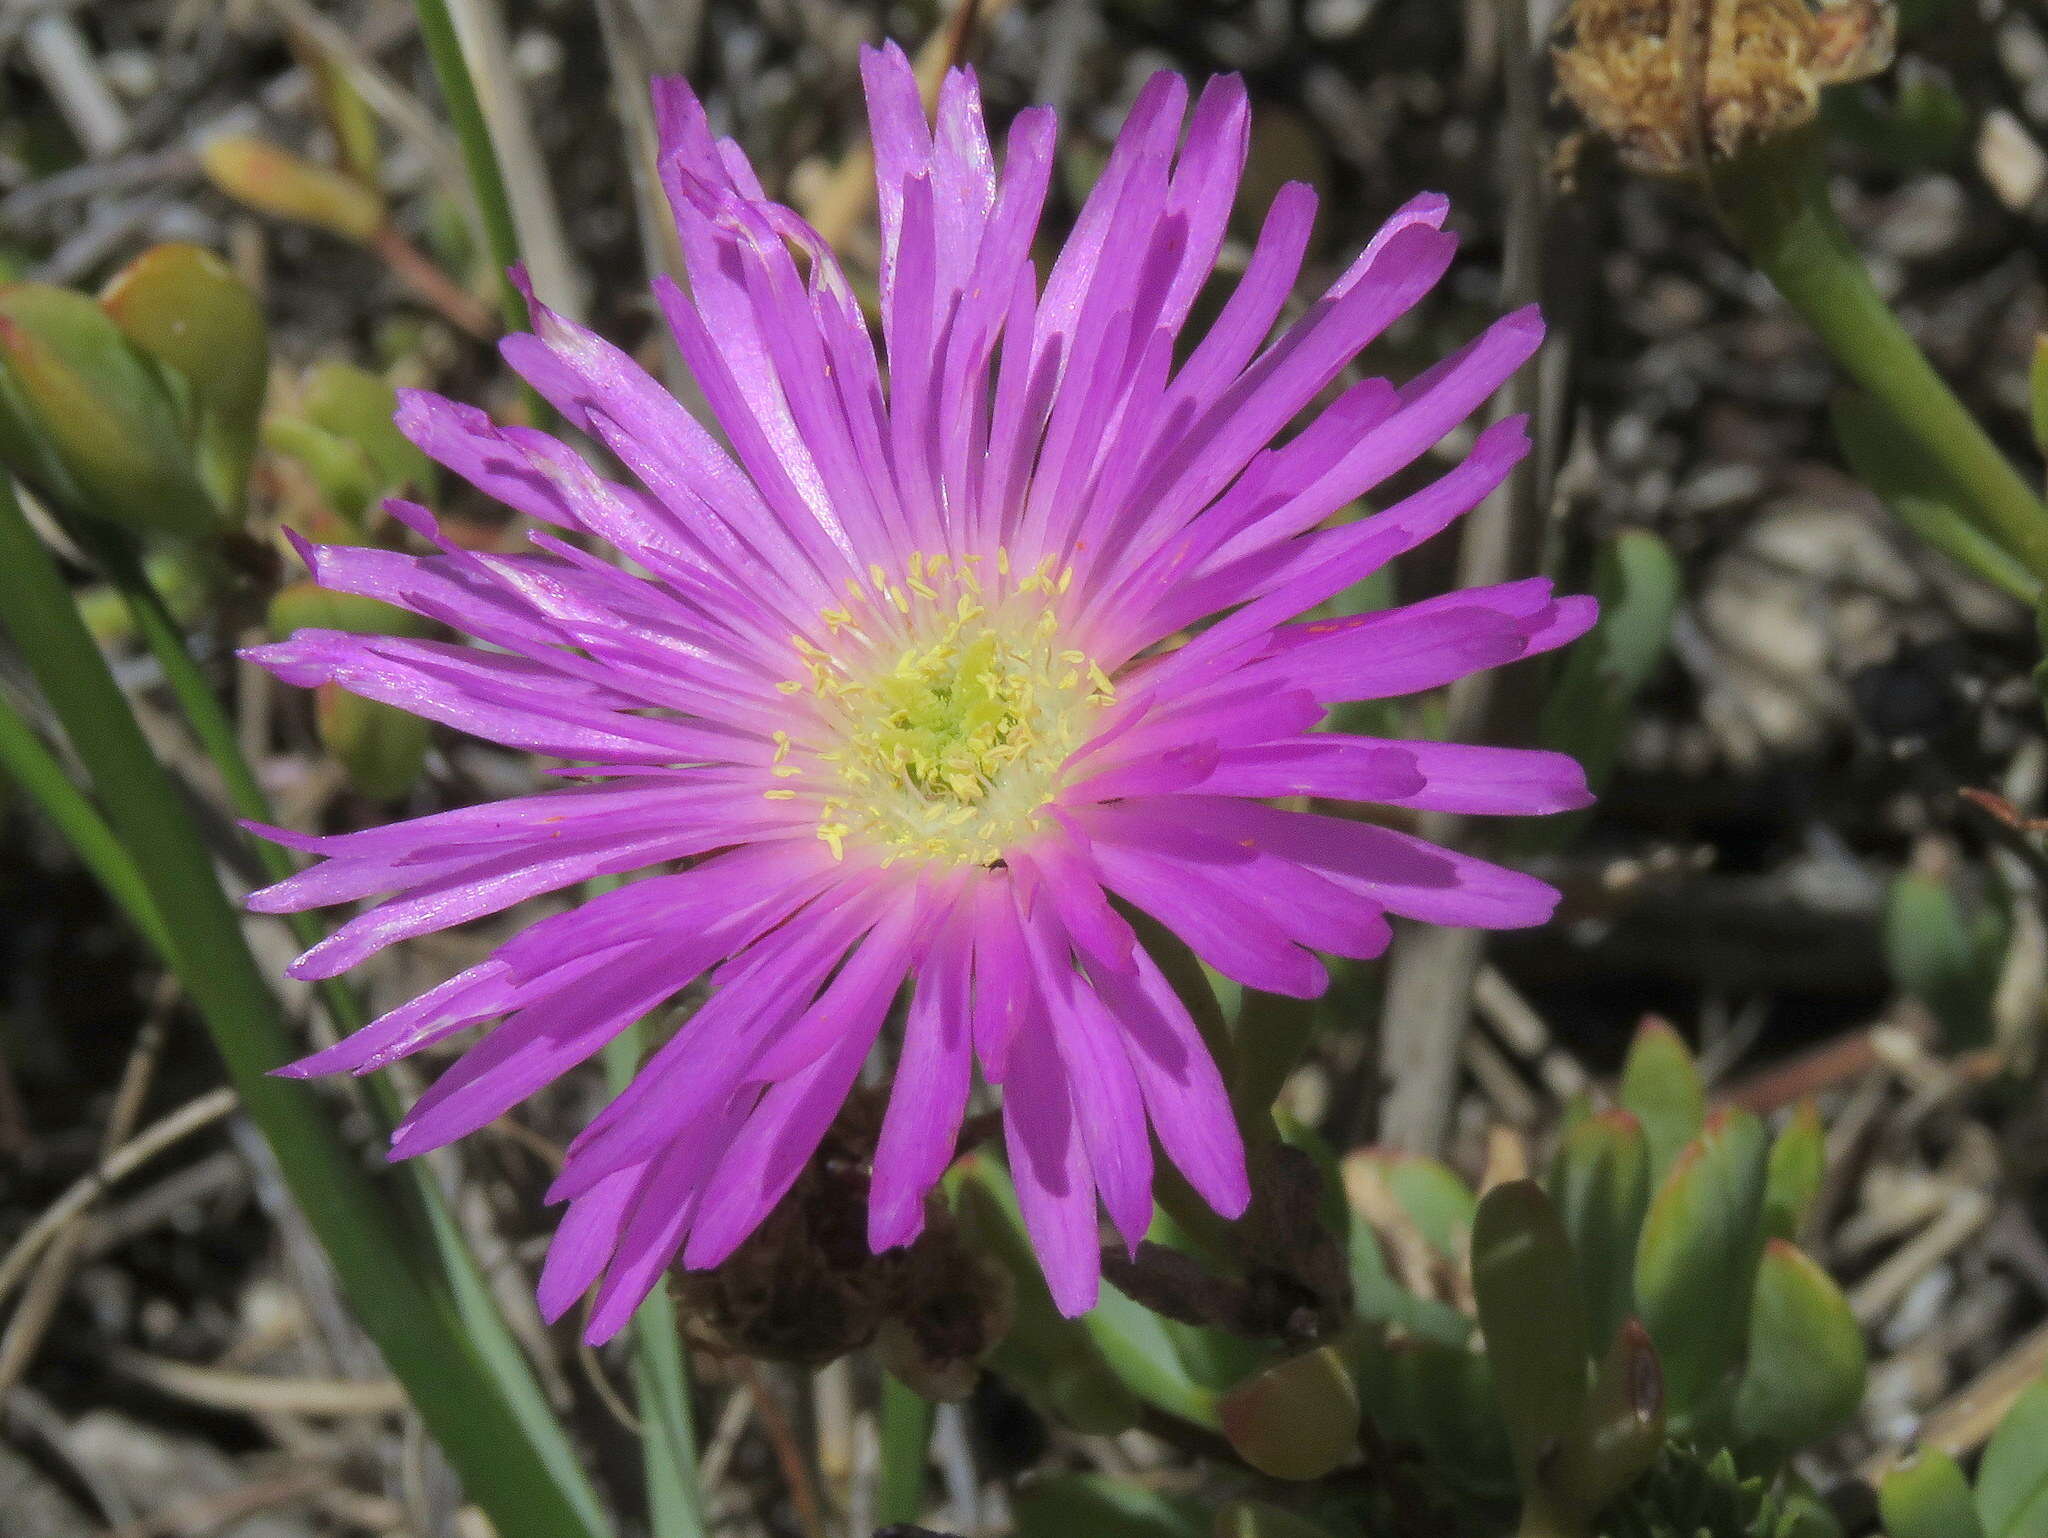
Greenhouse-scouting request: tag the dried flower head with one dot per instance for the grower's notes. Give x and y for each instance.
(1677, 84)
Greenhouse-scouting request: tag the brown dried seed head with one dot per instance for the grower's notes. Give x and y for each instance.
(1675, 83)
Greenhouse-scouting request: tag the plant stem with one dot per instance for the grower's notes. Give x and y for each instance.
(1774, 202)
(479, 155)
(661, 1378)
(906, 1435)
(382, 1270)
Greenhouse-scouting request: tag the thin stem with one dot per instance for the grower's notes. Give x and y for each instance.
(383, 1271)
(479, 155)
(906, 1437)
(1775, 204)
(35, 768)
(661, 1378)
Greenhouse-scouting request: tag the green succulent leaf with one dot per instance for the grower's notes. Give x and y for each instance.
(1798, 1165)
(1926, 1496)
(1944, 959)
(1378, 1298)
(381, 748)
(1256, 1519)
(2012, 1481)
(358, 406)
(1534, 1320)
(1600, 1180)
(1436, 1199)
(183, 306)
(87, 421)
(1441, 1398)
(1803, 1374)
(1073, 1505)
(1661, 1088)
(1622, 1429)
(1297, 1419)
(1697, 1260)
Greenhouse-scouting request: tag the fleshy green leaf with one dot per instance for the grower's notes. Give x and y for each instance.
(1942, 958)
(1661, 1088)
(1926, 1496)
(1534, 1321)
(2012, 1481)
(1600, 1180)
(1696, 1263)
(272, 180)
(1803, 1374)
(1297, 1419)
(182, 306)
(1140, 1350)
(1256, 1519)
(1798, 1164)
(1095, 1506)
(86, 420)
(382, 749)
(1621, 1431)
(1441, 1398)
(1435, 1197)
(358, 406)
(309, 605)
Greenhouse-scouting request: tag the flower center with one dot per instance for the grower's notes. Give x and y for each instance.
(946, 706)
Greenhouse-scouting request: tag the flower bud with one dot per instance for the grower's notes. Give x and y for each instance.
(87, 422)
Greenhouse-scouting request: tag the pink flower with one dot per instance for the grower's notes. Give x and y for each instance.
(913, 682)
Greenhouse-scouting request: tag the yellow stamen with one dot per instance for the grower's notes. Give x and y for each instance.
(945, 710)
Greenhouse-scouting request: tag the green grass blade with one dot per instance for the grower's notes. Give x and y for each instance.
(906, 1437)
(391, 1281)
(482, 1320)
(35, 768)
(479, 155)
(661, 1382)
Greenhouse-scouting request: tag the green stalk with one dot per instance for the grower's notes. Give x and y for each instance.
(1774, 202)
(36, 770)
(906, 1437)
(388, 1281)
(479, 155)
(661, 1380)
(461, 1272)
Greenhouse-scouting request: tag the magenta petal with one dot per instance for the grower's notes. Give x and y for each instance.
(930, 1093)
(1184, 1092)
(583, 1242)
(1050, 1167)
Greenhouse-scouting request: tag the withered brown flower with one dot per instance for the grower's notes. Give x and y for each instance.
(1679, 84)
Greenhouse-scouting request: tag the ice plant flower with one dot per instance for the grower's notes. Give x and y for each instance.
(904, 689)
